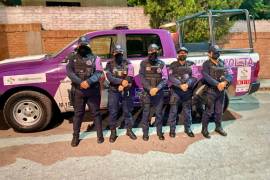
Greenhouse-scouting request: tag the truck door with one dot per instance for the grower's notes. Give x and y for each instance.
(101, 46)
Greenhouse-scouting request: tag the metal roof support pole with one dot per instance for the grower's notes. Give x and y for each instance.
(210, 18)
(249, 30)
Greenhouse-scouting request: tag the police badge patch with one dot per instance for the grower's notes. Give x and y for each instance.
(158, 70)
(89, 62)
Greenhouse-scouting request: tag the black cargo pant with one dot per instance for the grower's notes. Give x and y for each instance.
(92, 99)
(214, 106)
(176, 99)
(155, 102)
(115, 99)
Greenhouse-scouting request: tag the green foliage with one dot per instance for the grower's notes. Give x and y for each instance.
(260, 9)
(136, 2)
(163, 11)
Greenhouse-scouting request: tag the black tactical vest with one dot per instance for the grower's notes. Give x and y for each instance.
(153, 73)
(218, 71)
(182, 72)
(120, 71)
(84, 67)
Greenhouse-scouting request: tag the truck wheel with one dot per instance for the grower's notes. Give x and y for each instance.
(28, 111)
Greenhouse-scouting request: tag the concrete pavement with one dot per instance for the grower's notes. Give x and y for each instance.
(243, 154)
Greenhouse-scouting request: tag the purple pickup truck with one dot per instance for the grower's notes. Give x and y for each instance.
(33, 88)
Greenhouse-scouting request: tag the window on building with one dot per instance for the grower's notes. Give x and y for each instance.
(137, 44)
(57, 3)
(102, 46)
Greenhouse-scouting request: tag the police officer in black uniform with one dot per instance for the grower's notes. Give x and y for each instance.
(120, 73)
(217, 78)
(180, 75)
(85, 69)
(154, 77)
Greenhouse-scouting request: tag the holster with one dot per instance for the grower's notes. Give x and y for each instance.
(71, 95)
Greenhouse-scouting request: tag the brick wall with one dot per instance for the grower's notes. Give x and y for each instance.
(13, 39)
(261, 46)
(75, 18)
(261, 26)
(53, 41)
(82, 2)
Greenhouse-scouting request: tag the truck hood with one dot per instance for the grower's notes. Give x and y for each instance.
(23, 59)
(26, 62)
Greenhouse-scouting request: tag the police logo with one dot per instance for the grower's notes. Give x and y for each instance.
(159, 70)
(89, 62)
(148, 68)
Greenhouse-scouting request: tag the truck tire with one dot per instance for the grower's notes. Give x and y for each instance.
(28, 111)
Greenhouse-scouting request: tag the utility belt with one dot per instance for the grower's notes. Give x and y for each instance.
(92, 86)
(154, 81)
(214, 89)
(115, 87)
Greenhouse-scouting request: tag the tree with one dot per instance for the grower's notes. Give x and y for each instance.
(162, 11)
(260, 9)
(136, 2)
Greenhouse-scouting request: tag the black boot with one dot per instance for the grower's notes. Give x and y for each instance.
(220, 131)
(161, 136)
(172, 133)
(205, 132)
(75, 140)
(113, 135)
(131, 134)
(145, 136)
(189, 132)
(100, 138)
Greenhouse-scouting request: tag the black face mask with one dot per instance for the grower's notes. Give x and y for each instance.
(83, 51)
(153, 57)
(119, 58)
(215, 55)
(182, 58)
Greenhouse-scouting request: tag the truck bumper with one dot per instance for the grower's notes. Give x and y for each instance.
(254, 87)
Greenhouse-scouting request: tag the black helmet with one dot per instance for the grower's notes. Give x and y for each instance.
(83, 41)
(214, 49)
(182, 49)
(153, 47)
(118, 49)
